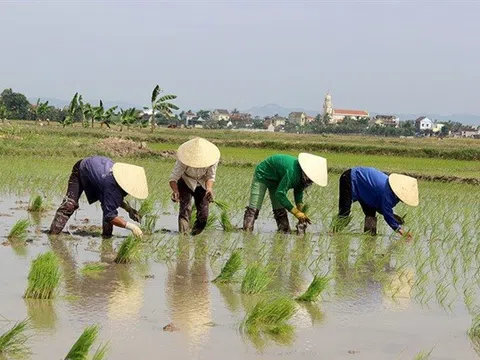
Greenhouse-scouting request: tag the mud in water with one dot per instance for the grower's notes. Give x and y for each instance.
(167, 307)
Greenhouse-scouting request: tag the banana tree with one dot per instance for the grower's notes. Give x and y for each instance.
(127, 117)
(84, 110)
(162, 105)
(107, 117)
(71, 109)
(39, 110)
(96, 113)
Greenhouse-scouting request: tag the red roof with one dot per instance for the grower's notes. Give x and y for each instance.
(350, 112)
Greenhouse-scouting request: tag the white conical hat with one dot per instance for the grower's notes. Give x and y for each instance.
(132, 179)
(198, 153)
(315, 167)
(405, 187)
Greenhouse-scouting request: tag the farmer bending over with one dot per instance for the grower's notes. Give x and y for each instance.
(107, 182)
(193, 176)
(278, 174)
(376, 192)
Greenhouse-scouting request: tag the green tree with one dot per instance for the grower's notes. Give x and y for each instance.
(3, 112)
(16, 103)
(107, 115)
(39, 110)
(204, 114)
(127, 118)
(161, 104)
(70, 111)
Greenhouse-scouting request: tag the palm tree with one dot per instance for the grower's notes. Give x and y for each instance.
(127, 117)
(162, 105)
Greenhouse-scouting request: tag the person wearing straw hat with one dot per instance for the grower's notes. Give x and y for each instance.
(193, 176)
(103, 180)
(376, 192)
(278, 174)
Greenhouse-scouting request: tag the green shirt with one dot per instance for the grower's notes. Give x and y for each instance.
(282, 173)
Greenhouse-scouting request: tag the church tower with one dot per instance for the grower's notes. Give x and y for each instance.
(327, 105)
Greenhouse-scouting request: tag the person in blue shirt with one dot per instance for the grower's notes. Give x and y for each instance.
(376, 192)
(107, 182)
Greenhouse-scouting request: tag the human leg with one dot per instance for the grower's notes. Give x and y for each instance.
(257, 194)
(202, 205)
(344, 202)
(280, 214)
(185, 207)
(370, 225)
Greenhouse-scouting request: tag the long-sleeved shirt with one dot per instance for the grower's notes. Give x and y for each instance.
(193, 176)
(282, 173)
(99, 185)
(371, 186)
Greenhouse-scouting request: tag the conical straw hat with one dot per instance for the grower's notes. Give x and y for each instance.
(315, 167)
(198, 153)
(132, 179)
(405, 187)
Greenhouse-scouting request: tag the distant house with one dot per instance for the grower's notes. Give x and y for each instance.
(338, 115)
(387, 120)
(437, 127)
(298, 118)
(423, 123)
(220, 114)
(147, 113)
(197, 122)
(278, 121)
(189, 115)
(271, 128)
(469, 132)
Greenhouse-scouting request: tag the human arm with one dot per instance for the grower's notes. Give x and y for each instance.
(112, 200)
(298, 197)
(281, 196)
(132, 213)
(209, 181)
(175, 175)
(388, 215)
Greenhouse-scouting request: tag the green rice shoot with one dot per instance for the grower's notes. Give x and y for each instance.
(13, 341)
(37, 205)
(149, 224)
(82, 346)
(256, 279)
(129, 251)
(226, 223)
(146, 208)
(101, 352)
(223, 206)
(93, 269)
(231, 267)
(316, 287)
(19, 230)
(44, 277)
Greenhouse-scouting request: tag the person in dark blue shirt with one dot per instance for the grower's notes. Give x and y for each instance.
(107, 182)
(377, 193)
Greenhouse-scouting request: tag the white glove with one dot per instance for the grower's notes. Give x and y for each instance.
(136, 231)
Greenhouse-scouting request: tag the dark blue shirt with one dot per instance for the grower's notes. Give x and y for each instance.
(100, 185)
(371, 186)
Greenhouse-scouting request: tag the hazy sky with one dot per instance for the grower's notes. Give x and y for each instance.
(383, 56)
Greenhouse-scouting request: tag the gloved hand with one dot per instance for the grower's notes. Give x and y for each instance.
(301, 216)
(175, 197)
(134, 215)
(300, 206)
(209, 195)
(136, 231)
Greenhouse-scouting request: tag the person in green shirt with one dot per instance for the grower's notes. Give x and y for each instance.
(278, 174)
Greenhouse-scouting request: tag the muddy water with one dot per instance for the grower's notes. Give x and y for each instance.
(132, 303)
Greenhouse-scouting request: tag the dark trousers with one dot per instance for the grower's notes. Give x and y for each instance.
(345, 197)
(201, 205)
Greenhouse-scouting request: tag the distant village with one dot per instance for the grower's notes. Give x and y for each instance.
(330, 119)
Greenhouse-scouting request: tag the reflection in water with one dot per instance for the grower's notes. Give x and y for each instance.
(42, 313)
(188, 297)
(397, 290)
(230, 297)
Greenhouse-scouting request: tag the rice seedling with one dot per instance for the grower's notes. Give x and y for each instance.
(230, 268)
(149, 224)
(13, 341)
(270, 317)
(37, 205)
(316, 287)
(129, 251)
(423, 355)
(81, 349)
(256, 279)
(225, 222)
(223, 206)
(44, 277)
(19, 230)
(93, 269)
(146, 208)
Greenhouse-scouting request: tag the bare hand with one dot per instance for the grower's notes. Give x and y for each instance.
(209, 195)
(175, 197)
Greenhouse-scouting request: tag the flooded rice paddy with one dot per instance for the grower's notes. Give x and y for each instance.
(386, 299)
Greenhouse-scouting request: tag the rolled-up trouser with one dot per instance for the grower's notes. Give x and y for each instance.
(201, 204)
(257, 194)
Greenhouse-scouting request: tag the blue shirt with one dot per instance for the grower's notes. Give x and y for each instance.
(371, 187)
(100, 185)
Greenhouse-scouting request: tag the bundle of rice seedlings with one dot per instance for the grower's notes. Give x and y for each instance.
(149, 224)
(231, 267)
(19, 230)
(13, 341)
(227, 225)
(92, 269)
(270, 316)
(146, 208)
(44, 277)
(129, 251)
(37, 205)
(223, 206)
(256, 279)
(474, 333)
(81, 348)
(318, 284)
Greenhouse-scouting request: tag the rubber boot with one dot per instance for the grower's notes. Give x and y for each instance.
(63, 213)
(370, 225)
(107, 230)
(301, 228)
(249, 218)
(281, 217)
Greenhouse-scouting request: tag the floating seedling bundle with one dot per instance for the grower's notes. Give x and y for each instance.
(44, 277)
(256, 280)
(316, 287)
(81, 349)
(129, 251)
(13, 341)
(19, 230)
(37, 205)
(231, 267)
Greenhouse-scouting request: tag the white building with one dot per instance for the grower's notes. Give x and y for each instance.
(423, 123)
(338, 115)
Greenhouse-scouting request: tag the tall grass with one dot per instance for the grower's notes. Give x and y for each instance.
(81, 349)
(129, 251)
(256, 279)
(316, 287)
(231, 267)
(37, 205)
(44, 277)
(13, 341)
(19, 230)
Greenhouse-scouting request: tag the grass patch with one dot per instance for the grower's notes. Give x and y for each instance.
(256, 279)
(316, 287)
(81, 349)
(19, 230)
(13, 341)
(129, 251)
(44, 277)
(37, 205)
(231, 267)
